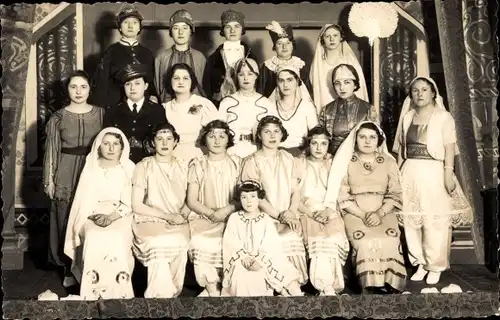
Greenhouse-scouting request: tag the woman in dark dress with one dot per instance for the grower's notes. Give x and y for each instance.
(106, 87)
(344, 113)
(70, 132)
(217, 79)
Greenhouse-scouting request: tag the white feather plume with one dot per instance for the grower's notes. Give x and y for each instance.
(275, 27)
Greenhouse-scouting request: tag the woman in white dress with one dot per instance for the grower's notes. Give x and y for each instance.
(243, 110)
(323, 228)
(433, 199)
(99, 235)
(331, 50)
(211, 185)
(253, 264)
(275, 170)
(161, 231)
(187, 111)
(296, 112)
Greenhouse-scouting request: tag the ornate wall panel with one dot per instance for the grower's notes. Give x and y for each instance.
(482, 75)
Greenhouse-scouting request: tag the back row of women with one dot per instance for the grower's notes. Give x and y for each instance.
(320, 177)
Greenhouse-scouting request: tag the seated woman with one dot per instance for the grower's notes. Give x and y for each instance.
(211, 184)
(253, 264)
(161, 231)
(275, 170)
(99, 235)
(243, 110)
(296, 111)
(187, 111)
(323, 228)
(344, 113)
(365, 183)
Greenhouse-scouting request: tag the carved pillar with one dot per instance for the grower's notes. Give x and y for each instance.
(16, 42)
(451, 34)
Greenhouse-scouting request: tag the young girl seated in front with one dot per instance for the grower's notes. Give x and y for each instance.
(254, 263)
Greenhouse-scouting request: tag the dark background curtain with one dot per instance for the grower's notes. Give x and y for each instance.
(397, 70)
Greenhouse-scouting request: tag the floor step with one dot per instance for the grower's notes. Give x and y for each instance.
(462, 247)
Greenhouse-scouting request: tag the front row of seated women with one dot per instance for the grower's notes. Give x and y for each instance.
(228, 215)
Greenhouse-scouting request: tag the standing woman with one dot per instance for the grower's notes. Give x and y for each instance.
(70, 131)
(365, 187)
(107, 89)
(284, 45)
(275, 170)
(212, 183)
(342, 115)
(217, 79)
(323, 228)
(161, 231)
(426, 143)
(100, 214)
(187, 111)
(331, 50)
(181, 30)
(296, 112)
(243, 109)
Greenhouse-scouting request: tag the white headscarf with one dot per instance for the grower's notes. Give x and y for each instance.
(302, 92)
(86, 195)
(340, 164)
(320, 70)
(409, 106)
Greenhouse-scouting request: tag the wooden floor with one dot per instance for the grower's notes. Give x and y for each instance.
(35, 278)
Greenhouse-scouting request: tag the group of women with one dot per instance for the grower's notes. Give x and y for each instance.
(219, 173)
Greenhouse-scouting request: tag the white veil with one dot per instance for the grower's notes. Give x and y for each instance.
(340, 164)
(86, 195)
(320, 74)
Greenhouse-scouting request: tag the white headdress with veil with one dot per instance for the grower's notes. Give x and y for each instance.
(320, 74)
(302, 92)
(340, 164)
(409, 106)
(87, 195)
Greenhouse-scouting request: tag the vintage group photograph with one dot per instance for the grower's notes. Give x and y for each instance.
(290, 160)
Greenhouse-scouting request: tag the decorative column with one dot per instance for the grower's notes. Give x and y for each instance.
(451, 34)
(16, 42)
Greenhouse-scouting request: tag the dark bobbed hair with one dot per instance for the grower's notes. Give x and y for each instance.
(170, 74)
(316, 131)
(212, 125)
(113, 134)
(237, 68)
(433, 88)
(77, 73)
(352, 69)
(248, 186)
(336, 27)
(149, 141)
(296, 76)
(371, 126)
(265, 121)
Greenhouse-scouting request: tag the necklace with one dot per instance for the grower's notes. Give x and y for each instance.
(286, 114)
(368, 165)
